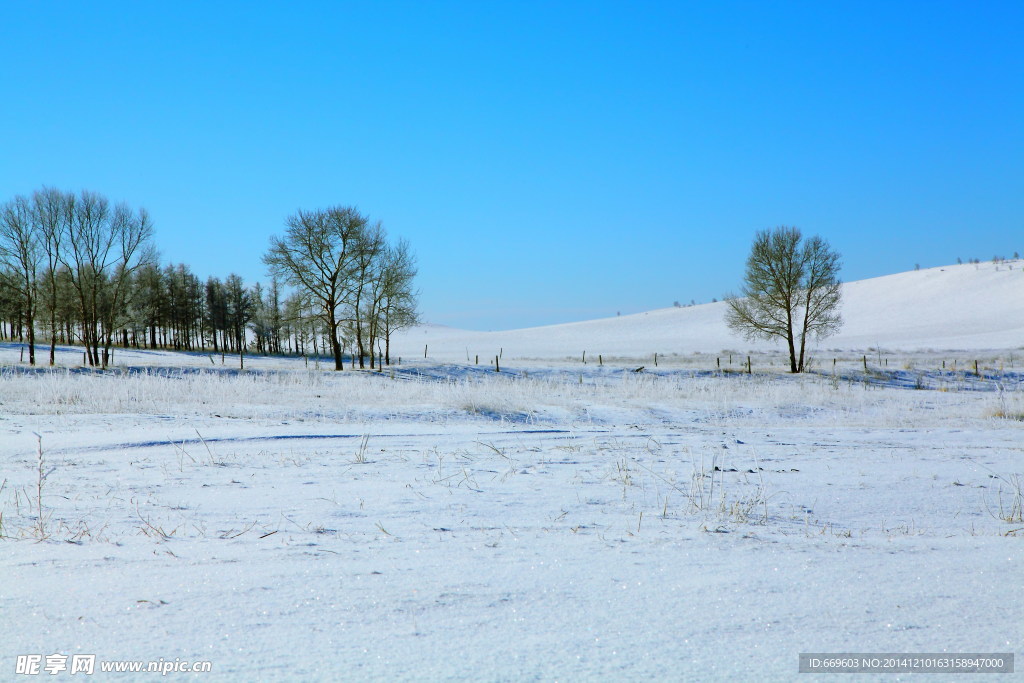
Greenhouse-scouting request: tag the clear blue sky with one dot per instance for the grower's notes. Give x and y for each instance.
(548, 161)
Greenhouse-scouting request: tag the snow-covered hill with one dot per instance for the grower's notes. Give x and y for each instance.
(969, 306)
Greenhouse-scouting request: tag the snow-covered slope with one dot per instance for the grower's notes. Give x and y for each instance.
(969, 306)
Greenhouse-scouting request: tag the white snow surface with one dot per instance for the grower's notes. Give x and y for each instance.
(957, 307)
(554, 521)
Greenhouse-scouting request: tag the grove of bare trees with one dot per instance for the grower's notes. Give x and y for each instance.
(76, 269)
(347, 275)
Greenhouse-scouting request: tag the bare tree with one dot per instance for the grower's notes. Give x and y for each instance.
(791, 291)
(52, 211)
(301, 318)
(104, 248)
(240, 308)
(367, 262)
(397, 307)
(274, 318)
(317, 256)
(20, 256)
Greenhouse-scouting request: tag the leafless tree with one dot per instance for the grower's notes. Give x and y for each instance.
(367, 264)
(20, 256)
(104, 247)
(397, 307)
(52, 211)
(791, 291)
(317, 256)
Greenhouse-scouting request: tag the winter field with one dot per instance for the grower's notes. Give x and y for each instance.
(556, 520)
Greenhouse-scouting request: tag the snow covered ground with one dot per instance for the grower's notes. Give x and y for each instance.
(555, 521)
(958, 307)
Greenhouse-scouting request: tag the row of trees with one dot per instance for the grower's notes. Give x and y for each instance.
(80, 269)
(76, 269)
(76, 252)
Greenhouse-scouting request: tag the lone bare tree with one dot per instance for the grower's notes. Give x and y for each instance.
(791, 291)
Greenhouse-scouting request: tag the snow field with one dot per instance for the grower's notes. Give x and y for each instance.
(553, 521)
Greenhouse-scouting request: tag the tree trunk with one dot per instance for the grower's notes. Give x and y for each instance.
(31, 332)
(791, 341)
(803, 344)
(53, 329)
(332, 324)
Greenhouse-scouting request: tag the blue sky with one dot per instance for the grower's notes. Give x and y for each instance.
(548, 161)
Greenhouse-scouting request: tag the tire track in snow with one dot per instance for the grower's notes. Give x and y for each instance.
(156, 443)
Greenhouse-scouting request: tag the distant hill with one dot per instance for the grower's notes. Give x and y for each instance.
(957, 307)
